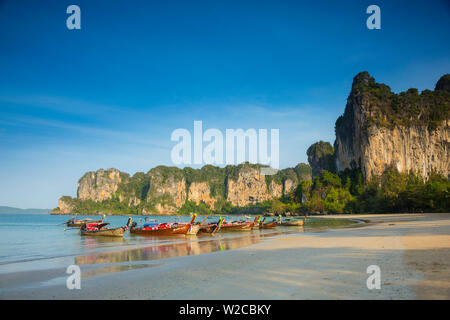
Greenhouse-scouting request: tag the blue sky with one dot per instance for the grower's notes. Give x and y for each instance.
(110, 94)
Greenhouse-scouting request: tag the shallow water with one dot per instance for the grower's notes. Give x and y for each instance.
(26, 238)
(35, 248)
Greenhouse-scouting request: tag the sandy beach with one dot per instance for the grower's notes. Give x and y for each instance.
(412, 251)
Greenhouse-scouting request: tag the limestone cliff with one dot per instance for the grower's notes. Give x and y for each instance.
(380, 130)
(199, 192)
(164, 190)
(167, 189)
(249, 187)
(100, 185)
(321, 157)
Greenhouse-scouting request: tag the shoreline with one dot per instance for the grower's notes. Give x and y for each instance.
(412, 251)
(330, 215)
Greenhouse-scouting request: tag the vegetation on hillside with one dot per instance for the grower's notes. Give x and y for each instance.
(409, 108)
(321, 157)
(346, 192)
(393, 192)
(329, 192)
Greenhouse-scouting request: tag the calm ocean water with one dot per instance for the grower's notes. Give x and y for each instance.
(27, 237)
(35, 250)
(30, 241)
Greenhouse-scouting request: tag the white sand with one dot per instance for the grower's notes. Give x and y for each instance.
(413, 252)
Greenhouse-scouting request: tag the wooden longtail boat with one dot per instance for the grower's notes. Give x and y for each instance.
(163, 229)
(292, 223)
(268, 225)
(193, 230)
(236, 226)
(256, 222)
(79, 222)
(98, 229)
(211, 228)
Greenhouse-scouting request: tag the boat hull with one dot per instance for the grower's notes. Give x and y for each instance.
(193, 230)
(207, 229)
(116, 232)
(236, 227)
(268, 225)
(292, 223)
(177, 230)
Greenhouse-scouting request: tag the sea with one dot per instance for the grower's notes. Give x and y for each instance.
(33, 242)
(38, 250)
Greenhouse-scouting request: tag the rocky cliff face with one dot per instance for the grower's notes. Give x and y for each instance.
(99, 186)
(163, 190)
(381, 130)
(199, 192)
(250, 187)
(167, 189)
(65, 205)
(321, 157)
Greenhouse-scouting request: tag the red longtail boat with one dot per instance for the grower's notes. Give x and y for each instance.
(98, 229)
(162, 229)
(235, 226)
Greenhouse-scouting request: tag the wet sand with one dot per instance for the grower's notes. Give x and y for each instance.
(412, 251)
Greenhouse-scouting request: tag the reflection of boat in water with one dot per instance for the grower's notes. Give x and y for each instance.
(98, 229)
(165, 251)
(162, 229)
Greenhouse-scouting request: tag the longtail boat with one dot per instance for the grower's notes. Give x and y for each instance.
(292, 222)
(255, 223)
(210, 228)
(98, 229)
(235, 226)
(193, 230)
(162, 229)
(268, 225)
(79, 222)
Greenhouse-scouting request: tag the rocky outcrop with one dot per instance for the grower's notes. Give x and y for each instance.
(444, 83)
(381, 130)
(289, 185)
(302, 171)
(167, 189)
(66, 206)
(199, 192)
(249, 187)
(164, 190)
(99, 185)
(321, 157)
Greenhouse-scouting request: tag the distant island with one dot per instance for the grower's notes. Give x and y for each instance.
(390, 155)
(12, 210)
